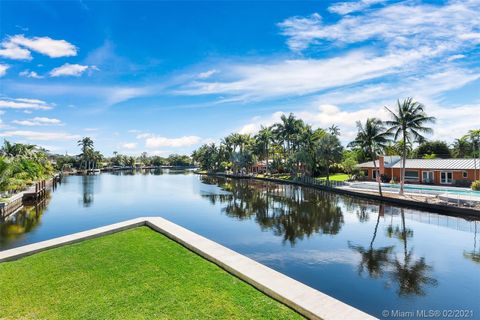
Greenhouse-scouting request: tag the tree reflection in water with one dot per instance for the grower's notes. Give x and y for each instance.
(87, 190)
(375, 261)
(473, 255)
(411, 274)
(23, 221)
(290, 211)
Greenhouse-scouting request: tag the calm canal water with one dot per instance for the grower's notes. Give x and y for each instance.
(374, 257)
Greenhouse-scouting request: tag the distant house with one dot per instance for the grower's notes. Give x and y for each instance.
(459, 172)
(259, 167)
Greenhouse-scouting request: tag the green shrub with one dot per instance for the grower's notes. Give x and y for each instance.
(476, 185)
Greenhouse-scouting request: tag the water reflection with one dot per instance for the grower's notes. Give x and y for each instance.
(22, 222)
(410, 274)
(87, 190)
(375, 261)
(294, 213)
(287, 210)
(473, 255)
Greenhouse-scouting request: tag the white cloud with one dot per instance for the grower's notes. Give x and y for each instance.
(153, 141)
(426, 87)
(120, 94)
(392, 43)
(452, 120)
(301, 77)
(68, 69)
(3, 69)
(144, 135)
(161, 153)
(207, 74)
(352, 6)
(39, 136)
(38, 121)
(257, 122)
(12, 51)
(44, 45)
(22, 103)
(30, 74)
(109, 95)
(456, 57)
(345, 106)
(129, 145)
(401, 25)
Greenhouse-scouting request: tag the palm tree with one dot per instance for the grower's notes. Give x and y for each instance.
(475, 137)
(408, 124)
(330, 151)
(263, 139)
(18, 150)
(86, 145)
(462, 147)
(334, 129)
(287, 130)
(372, 138)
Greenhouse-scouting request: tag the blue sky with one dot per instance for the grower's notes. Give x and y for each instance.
(165, 77)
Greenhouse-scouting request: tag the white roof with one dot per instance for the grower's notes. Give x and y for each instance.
(449, 164)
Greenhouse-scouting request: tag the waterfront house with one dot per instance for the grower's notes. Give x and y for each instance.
(259, 167)
(456, 172)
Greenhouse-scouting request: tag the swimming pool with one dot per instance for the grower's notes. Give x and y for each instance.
(418, 188)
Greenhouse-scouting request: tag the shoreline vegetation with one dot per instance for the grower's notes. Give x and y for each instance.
(287, 149)
(292, 147)
(119, 276)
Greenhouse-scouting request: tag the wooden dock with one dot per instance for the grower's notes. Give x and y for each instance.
(35, 193)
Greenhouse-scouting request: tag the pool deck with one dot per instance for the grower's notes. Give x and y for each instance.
(307, 301)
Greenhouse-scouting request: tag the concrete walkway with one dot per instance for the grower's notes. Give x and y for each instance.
(307, 301)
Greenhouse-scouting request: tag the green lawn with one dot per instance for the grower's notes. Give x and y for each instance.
(336, 177)
(134, 274)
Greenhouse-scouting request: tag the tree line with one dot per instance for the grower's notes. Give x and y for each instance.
(21, 165)
(292, 146)
(89, 158)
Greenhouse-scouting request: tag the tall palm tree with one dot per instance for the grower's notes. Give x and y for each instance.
(408, 125)
(19, 150)
(330, 150)
(86, 145)
(461, 147)
(372, 138)
(334, 129)
(287, 130)
(264, 138)
(475, 137)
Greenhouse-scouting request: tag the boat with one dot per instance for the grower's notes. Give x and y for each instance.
(93, 171)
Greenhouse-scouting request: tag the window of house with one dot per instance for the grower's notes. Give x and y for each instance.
(411, 175)
(465, 174)
(375, 173)
(446, 177)
(427, 176)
